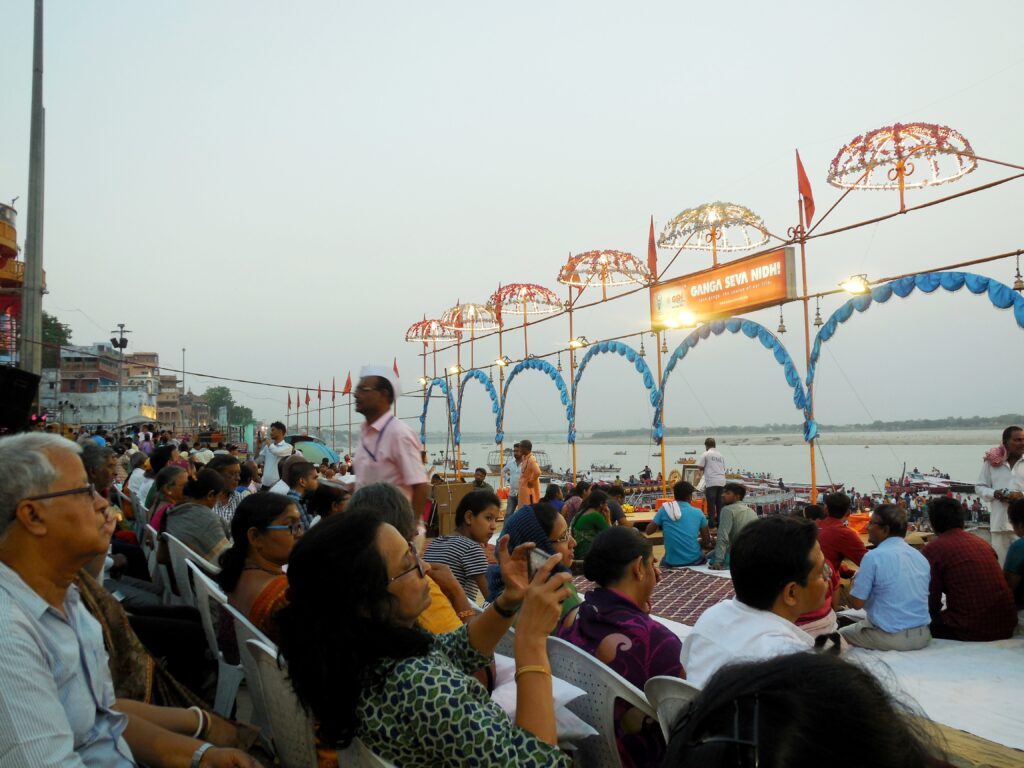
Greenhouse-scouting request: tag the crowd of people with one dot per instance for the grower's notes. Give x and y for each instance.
(390, 638)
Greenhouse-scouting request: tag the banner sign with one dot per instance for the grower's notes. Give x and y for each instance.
(731, 289)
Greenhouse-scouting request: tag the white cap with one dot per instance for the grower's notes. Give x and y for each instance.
(383, 372)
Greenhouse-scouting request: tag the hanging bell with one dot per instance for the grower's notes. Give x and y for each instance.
(642, 352)
(664, 346)
(782, 323)
(559, 366)
(817, 318)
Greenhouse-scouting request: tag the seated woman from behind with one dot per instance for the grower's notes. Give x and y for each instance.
(357, 659)
(193, 521)
(613, 624)
(264, 531)
(463, 551)
(594, 516)
(545, 528)
(170, 491)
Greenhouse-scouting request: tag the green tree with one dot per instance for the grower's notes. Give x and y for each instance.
(54, 333)
(239, 415)
(215, 397)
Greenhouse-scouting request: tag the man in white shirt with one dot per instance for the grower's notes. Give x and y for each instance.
(1000, 482)
(712, 467)
(512, 470)
(778, 572)
(272, 453)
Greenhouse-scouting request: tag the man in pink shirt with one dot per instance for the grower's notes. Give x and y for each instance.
(389, 452)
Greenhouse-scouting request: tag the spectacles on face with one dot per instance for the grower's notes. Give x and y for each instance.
(563, 538)
(295, 528)
(365, 388)
(417, 566)
(90, 489)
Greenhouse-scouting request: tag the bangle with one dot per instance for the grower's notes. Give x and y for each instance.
(535, 668)
(465, 614)
(197, 756)
(504, 612)
(202, 721)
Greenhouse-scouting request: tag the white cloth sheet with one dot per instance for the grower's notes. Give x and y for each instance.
(974, 687)
(724, 574)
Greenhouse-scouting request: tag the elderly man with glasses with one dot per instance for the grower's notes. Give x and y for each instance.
(57, 703)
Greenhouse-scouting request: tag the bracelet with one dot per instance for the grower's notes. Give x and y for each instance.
(466, 614)
(197, 756)
(535, 668)
(202, 721)
(504, 612)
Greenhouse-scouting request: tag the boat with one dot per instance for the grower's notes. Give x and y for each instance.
(604, 468)
(686, 461)
(495, 462)
(690, 453)
(620, 453)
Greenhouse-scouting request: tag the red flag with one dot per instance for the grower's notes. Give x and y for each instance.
(307, 397)
(804, 186)
(289, 401)
(318, 398)
(298, 400)
(348, 384)
(334, 392)
(394, 365)
(652, 252)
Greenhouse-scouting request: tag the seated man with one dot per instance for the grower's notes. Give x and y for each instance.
(302, 484)
(734, 518)
(778, 572)
(616, 498)
(837, 541)
(979, 603)
(58, 698)
(682, 523)
(1013, 568)
(892, 584)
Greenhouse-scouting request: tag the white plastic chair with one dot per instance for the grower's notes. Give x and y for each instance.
(229, 676)
(364, 757)
(603, 686)
(180, 554)
(291, 725)
(669, 696)
(245, 630)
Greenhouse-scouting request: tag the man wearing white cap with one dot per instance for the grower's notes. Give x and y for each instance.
(389, 451)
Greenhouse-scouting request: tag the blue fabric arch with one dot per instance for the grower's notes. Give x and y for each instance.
(751, 330)
(999, 294)
(626, 351)
(452, 410)
(483, 378)
(536, 364)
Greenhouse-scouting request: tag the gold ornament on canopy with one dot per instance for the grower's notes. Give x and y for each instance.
(604, 267)
(885, 158)
(429, 332)
(471, 317)
(523, 299)
(715, 227)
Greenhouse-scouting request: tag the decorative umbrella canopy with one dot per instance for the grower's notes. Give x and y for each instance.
(715, 227)
(883, 158)
(472, 317)
(526, 299)
(604, 267)
(430, 330)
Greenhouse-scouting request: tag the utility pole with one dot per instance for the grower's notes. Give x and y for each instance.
(31, 353)
(119, 344)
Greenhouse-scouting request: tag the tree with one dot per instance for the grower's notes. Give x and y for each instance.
(54, 333)
(239, 415)
(215, 397)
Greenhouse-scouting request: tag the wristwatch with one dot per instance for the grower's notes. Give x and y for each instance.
(504, 612)
(197, 756)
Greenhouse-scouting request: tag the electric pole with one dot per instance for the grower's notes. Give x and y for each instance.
(119, 343)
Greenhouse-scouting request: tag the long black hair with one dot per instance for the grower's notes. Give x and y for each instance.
(773, 714)
(339, 622)
(258, 510)
(611, 552)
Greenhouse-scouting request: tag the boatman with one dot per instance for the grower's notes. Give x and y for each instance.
(712, 467)
(389, 452)
(1000, 482)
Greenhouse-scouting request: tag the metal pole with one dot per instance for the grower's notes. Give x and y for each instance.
(350, 424)
(31, 353)
(501, 389)
(664, 478)
(572, 375)
(807, 337)
(121, 344)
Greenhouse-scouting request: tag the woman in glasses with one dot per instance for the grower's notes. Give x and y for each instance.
(357, 659)
(264, 531)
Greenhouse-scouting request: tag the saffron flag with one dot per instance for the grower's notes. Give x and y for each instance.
(307, 397)
(804, 186)
(348, 384)
(318, 397)
(652, 253)
(289, 401)
(334, 389)
(394, 365)
(298, 400)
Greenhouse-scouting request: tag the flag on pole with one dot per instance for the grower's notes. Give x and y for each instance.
(394, 365)
(652, 252)
(334, 392)
(289, 401)
(298, 400)
(307, 396)
(318, 397)
(348, 384)
(804, 186)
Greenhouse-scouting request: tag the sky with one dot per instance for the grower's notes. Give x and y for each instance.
(283, 189)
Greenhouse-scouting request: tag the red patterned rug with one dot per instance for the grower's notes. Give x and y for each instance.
(683, 595)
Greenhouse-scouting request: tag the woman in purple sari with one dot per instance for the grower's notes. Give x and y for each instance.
(613, 625)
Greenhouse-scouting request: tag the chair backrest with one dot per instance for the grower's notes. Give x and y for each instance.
(603, 686)
(669, 696)
(507, 645)
(245, 630)
(365, 758)
(180, 553)
(206, 589)
(291, 725)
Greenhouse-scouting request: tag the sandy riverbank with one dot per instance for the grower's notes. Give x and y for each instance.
(926, 437)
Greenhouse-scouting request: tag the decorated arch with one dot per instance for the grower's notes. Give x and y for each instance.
(452, 410)
(535, 364)
(635, 359)
(484, 379)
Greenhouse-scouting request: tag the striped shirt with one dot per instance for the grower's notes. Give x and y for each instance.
(464, 556)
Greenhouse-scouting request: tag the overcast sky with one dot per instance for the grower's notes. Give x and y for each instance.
(283, 189)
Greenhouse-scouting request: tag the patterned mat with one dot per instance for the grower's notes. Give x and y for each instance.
(683, 595)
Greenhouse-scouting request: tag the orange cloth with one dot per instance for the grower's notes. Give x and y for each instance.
(858, 523)
(270, 600)
(529, 481)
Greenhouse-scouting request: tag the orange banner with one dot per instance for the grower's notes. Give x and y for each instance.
(731, 289)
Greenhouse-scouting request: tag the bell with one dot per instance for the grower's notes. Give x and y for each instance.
(782, 327)
(1018, 283)
(642, 352)
(817, 318)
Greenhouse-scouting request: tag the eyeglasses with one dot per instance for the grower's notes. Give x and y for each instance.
(90, 489)
(563, 538)
(295, 528)
(417, 566)
(364, 388)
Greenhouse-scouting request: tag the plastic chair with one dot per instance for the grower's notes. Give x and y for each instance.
(245, 630)
(507, 645)
(669, 696)
(603, 686)
(289, 722)
(229, 676)
(365, 758)
(180, 554)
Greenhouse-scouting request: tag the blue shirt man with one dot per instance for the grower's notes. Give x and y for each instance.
(682, 524)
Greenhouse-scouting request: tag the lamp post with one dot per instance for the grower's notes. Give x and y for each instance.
(119, 344)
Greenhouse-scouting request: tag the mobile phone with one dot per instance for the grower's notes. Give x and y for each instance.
(535, 561)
